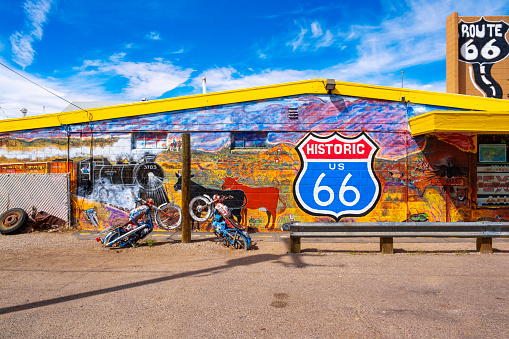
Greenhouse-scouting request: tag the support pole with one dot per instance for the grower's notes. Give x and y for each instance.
(387, 245)
(186, 187)
(294, 245)
(484, 245)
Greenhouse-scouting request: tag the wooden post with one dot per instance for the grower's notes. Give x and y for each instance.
(387, 245)
(484, 245)
(294, 245)
(186, 187)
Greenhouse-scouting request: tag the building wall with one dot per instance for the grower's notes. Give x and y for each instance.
(482, 69)
(420, 178)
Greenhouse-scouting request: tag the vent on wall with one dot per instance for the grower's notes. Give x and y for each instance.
(293, 113)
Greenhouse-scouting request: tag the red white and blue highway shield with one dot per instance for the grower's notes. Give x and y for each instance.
(336, 177)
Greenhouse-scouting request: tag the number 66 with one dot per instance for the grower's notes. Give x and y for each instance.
(342, 190)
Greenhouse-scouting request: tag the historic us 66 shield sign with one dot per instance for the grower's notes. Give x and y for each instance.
(336, 177)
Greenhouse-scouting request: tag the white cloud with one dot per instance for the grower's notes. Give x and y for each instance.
(326, 40)
(416, 37)
(154, 36)
(298, 43)
(117, 57)
(316, 29)
(18, 93)
(145, 79)
(21, 41)
(228, 78)
(413, 34)
(316, 39)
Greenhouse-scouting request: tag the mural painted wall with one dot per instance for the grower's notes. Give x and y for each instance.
(366, 164)
(477, 50)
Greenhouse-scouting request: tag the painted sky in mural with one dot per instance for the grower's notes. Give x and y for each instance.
(347, 114)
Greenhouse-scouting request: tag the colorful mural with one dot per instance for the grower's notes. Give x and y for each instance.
(114, 162)
(262, 198)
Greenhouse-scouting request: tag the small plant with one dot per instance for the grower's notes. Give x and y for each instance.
(149, 242)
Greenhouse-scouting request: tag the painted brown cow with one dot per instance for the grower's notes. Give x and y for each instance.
(262, 198)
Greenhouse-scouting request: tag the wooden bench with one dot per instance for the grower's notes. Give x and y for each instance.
(387, 231)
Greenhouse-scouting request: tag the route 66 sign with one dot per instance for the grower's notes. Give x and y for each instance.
(482, 44)
(336, 177)
(482, 41)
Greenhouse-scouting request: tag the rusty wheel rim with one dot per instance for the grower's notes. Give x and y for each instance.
(11, 220)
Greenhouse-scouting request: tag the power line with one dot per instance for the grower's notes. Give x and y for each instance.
(4, 111)
(47, 90)
(4, 106)
(11, 107)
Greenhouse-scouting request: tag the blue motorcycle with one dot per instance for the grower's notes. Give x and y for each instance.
(141, 223)
(224, 225)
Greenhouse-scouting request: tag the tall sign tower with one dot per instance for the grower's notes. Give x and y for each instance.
(477, 55)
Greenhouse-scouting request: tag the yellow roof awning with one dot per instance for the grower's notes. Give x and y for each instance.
(476, 122)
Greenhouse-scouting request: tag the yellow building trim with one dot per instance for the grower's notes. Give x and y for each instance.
(475, 122)
(253, 94)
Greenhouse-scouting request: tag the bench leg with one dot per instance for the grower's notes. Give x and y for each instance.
(294, 245)
(387, 245)
(484, 245)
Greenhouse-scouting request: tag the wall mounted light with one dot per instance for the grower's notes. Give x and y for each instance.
(330, 85)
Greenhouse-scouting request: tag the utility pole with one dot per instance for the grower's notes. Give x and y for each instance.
(186, 187)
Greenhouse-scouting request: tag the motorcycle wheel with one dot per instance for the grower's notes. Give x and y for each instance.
(200, 208)
(240, 242)
(111, 237)
(12, 220)
(169, 216)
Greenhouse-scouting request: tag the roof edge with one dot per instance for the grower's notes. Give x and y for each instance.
(475, 122)
(314, 86)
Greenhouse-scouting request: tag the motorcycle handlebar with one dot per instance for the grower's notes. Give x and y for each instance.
(223, 198)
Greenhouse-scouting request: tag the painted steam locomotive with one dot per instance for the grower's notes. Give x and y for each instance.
(121, 183)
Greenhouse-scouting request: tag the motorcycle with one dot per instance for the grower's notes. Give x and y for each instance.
(141, 223)
(224, 225)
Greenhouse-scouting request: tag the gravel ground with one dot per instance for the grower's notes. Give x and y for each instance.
(54, 285)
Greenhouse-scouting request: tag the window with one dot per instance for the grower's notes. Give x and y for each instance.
(249, 140)
(492, 170)
(149, 140)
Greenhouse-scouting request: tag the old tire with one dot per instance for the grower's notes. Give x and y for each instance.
(12, 220)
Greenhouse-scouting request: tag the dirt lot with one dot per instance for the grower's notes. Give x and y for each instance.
(54, 285)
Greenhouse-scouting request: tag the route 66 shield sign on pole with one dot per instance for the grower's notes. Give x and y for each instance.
(336, 177)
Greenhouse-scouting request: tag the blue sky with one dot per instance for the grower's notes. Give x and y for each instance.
(132, 49)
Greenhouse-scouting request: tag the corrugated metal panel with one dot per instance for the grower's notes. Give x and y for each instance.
(48, 192)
